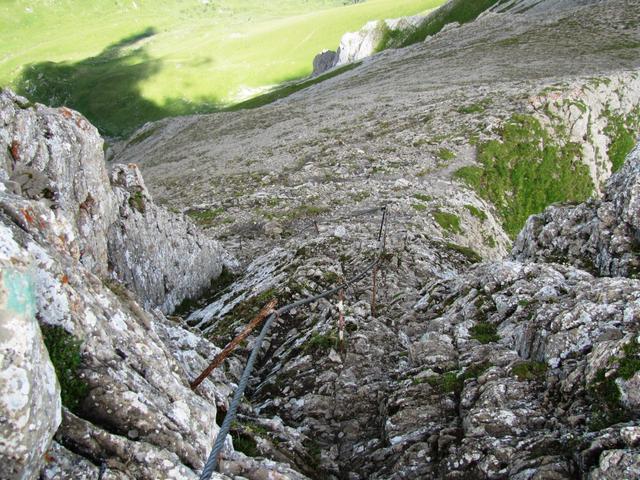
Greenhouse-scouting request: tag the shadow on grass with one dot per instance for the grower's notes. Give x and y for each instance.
(106, 88)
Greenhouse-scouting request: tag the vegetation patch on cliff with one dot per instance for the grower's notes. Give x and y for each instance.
(623, 132)
(457, 11)
(604, 391)
(64, 352)
(526, 170)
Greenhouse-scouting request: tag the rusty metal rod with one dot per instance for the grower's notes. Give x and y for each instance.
(231, 346)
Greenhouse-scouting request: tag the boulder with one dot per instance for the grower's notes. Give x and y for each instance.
(29, 390)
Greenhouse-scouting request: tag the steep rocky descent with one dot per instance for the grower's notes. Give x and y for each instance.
(399, 127)
(416, 391)
(507, 370)
(122, 371)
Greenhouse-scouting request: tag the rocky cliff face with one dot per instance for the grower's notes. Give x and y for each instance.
(123, 372)
(57, 156)
(521, 368)
(525, 366)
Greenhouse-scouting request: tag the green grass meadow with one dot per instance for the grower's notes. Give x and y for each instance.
(123, 63)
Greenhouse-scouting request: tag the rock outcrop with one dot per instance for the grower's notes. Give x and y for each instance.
(156, 253)
(29, 391)
(601, 236)
(128, 410)
(365, 42)
(524, 368)
(57, 155)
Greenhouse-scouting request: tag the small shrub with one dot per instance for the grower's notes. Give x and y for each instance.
(64, 352)
(422, 197)
(205, 218)
(453, 381)
(607, 409)
(478, 107)
(471, 255)
(246, 445)
(419, 207)
(445, 154)
(136, 201)
(484, 332)
(321, 342)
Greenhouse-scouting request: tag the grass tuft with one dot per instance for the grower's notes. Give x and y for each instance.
(447, 221)
(64, 352)
(484, 332)
(526, 171)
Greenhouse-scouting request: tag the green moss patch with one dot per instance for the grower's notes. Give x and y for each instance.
(529, 370)
(205, 218)
(422, 197)
(476, 212)
(460, 11)
(321, 342)
(447, 221)
(623, 132)
(484, 332)
(64, 352)
(527, 170)
(471, 255)
(445, 154)
(607, 409)
(453, 381)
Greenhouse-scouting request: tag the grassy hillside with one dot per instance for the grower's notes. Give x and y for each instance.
(122, 63)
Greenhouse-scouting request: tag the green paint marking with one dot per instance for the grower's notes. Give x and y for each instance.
(21, 292)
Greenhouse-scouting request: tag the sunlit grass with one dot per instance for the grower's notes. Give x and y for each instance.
(201, 55)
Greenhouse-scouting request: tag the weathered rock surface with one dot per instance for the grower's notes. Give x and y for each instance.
(601, 236)
(29, 391)
(55, 154)
(515, 369)
(156, 253)
(138, 418)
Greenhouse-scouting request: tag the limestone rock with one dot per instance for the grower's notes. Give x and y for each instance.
(160, 255)
(55, 154)
(600, 236)
(323, 62)
(29, 390)
(64, 147)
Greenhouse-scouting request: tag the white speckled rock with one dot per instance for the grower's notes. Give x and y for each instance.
(29, 390)
(57, 155)
(600, 236)
(159, 255)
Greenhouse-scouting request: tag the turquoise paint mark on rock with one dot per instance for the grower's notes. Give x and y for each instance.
(21, 297)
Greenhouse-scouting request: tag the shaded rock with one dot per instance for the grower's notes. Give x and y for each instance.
(161, 256)
(324, 61)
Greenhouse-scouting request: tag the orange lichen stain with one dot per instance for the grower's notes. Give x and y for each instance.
(82, 123)
(65, 279)
(66, 113)
(15, 150)
(28, 216)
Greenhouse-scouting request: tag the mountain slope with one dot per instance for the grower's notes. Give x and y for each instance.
(462, 137)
